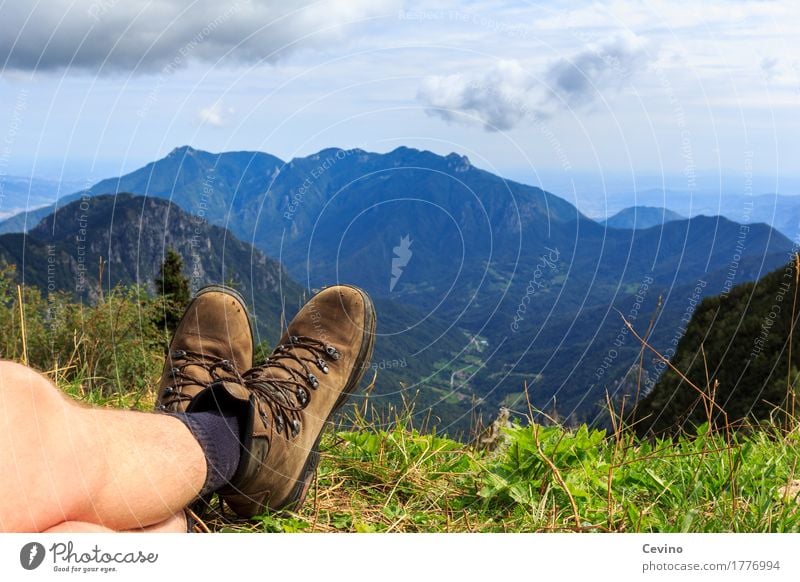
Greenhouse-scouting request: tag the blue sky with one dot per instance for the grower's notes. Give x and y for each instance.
(615, 94)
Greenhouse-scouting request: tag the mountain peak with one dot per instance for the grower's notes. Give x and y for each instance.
(458, 163)
(334, 152)
(453, 160)
(184, 150)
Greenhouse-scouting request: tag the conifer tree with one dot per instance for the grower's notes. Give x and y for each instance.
(173, 287)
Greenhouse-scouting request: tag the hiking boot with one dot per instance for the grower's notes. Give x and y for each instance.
(283, 404)
(213, 341)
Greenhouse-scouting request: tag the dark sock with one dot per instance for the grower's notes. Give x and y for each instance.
(218, 436)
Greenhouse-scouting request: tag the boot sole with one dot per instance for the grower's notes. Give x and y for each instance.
(298, 495)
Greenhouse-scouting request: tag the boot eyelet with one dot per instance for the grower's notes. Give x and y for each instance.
(175, 371)
(322, 365)
(296, 426)
(332, 352)
(293, 339)
(302, 396)
(178, 354)
(312, 379)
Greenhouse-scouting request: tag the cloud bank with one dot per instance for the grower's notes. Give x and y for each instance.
(145, 35)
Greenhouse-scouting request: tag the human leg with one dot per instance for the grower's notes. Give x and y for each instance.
(66, 462)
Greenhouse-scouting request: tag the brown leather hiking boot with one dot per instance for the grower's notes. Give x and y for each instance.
(213, 341)
(283, 404)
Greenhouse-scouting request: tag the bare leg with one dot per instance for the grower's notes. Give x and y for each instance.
(62, 462)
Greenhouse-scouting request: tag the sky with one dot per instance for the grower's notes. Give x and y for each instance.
(573, 96)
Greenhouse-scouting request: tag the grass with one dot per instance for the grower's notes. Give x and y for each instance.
(546, 479)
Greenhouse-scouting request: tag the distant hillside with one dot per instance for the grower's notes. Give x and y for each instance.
(131, 234)
(641, 217)
(745, 338)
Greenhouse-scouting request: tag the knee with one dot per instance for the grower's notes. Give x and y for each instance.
(23, 386)
(9, 369)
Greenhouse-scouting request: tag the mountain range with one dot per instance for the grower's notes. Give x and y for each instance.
(487, 285)
(780, 211)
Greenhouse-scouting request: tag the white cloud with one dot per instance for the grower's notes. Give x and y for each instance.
(143, 35)
(508, 93)
(497, 100)
(606, 66)
(215, 115)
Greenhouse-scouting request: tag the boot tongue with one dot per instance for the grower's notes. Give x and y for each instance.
(199, 374)
(227, 389)
(222, 396)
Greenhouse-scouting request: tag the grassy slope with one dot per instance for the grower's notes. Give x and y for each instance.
(571, 480)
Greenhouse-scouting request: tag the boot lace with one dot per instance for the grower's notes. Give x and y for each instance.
(183, 359)
(285, 398)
